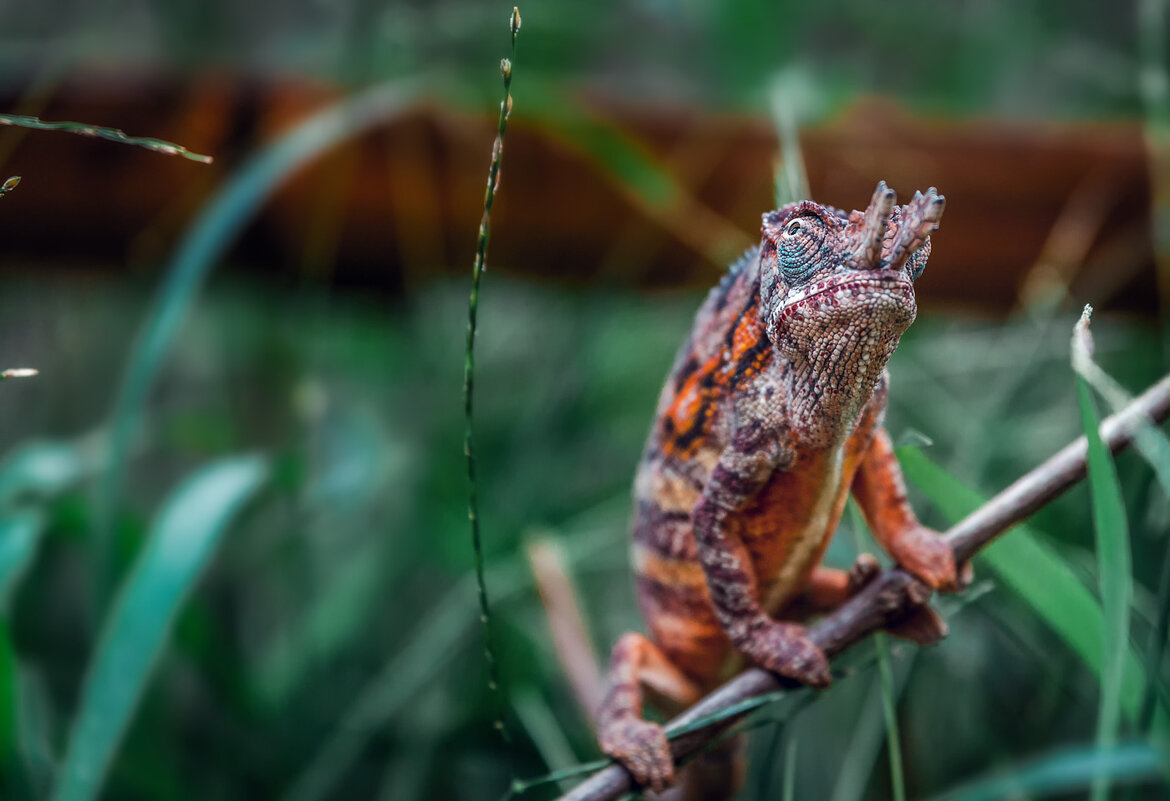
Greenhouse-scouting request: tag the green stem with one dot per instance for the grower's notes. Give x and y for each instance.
(469, 374)
(893, 738)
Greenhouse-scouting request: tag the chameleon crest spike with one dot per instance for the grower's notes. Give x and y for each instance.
(867, 239)
(916, 221)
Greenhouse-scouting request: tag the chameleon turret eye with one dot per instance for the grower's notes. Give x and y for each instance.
(792, 228)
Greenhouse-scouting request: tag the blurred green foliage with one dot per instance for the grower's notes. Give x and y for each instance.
(1031, 58)
(333, 646)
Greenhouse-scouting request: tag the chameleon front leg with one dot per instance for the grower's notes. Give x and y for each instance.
(881, 493)
(640, 745)
(784, 648)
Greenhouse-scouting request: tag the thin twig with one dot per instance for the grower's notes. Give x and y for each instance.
(895, 592)
(477, 268)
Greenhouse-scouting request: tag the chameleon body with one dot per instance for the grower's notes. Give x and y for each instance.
(771, 415)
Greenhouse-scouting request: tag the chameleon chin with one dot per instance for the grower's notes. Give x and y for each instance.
(771, 415)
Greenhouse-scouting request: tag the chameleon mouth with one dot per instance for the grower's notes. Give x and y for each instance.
(891, 284)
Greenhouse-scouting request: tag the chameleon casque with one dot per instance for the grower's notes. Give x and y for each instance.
(771, 415)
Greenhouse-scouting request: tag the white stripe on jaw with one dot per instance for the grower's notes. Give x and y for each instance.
(796, 296)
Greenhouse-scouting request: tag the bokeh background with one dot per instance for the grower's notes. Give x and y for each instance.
(249, 405)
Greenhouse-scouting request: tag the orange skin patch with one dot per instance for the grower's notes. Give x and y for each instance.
(696, 401)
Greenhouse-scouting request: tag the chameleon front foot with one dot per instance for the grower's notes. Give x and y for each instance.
(642, 748)
(785, 648)
(928, 557)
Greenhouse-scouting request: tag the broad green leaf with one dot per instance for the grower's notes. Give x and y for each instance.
(1114, 571)
(181, 541)
(1026, 563)
(1063, 771)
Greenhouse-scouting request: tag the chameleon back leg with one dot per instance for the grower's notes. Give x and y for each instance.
(638, 744)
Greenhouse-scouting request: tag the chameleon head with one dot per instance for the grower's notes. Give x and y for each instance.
(837, 288)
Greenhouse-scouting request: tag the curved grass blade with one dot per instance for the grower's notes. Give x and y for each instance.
(1036, 572)
(789, 791)
(644, 179)
(182, 540)
(112, 134)
(205, 241)
(1114, 569)
(413, 665)
(890, 713)
(19, 536)
(1063, 771)
(543, 730)
(790, 178)
(1154, 447)
(9, 698)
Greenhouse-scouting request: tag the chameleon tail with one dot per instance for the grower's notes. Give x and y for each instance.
(717, 774)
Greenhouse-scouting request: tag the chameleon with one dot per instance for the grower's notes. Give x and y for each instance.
(771, 415)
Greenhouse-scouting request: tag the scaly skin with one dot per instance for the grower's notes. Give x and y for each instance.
(771, 414)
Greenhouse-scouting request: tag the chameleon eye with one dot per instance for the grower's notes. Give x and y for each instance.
(792, 228)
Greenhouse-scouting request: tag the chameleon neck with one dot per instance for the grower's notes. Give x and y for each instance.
(828, 385)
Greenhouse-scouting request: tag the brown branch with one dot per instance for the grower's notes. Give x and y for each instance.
(895, 592)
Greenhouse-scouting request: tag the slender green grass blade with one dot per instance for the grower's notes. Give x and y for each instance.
(413, 665)
(1115, 571)
(790, 178)
(478, 266)
(890, 714)
(406, 672)
(1154, 447)
(635, 170)
(181, 542)
(1025, 562)
(1063, 771)
(9, 698)
(789, 791)
(333, 619)
(871, 727)
(112, 134)
(19, 536)
(34, 716)
(204, 243)
(543, 730)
